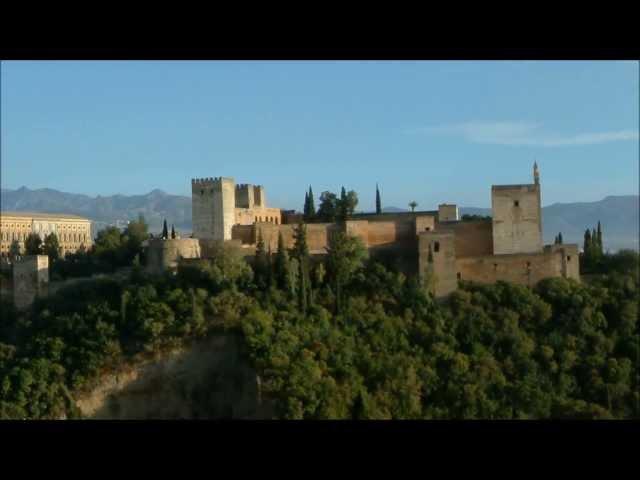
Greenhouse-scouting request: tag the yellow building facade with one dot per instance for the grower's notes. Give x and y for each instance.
(71, 230)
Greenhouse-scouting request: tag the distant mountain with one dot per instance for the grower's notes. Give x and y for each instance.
(618, 214)
(393, 210)
(111, 210)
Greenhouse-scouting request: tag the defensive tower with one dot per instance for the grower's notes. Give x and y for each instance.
(517, 218)
(213, 203)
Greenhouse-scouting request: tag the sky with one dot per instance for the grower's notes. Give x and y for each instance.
(430, 131)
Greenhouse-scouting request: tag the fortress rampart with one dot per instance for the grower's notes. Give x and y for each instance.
(435, 244)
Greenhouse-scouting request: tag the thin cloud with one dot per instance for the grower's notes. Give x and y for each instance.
(523, 133)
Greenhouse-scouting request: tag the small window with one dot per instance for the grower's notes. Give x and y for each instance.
(568, 258)
(428, 229)
(459, 276)
(516, 203)
(436, 247)
(528, 264)
(495, 267)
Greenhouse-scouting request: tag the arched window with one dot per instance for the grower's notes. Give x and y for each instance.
(436, 247)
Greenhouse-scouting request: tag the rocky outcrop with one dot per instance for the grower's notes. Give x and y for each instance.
(210, 379)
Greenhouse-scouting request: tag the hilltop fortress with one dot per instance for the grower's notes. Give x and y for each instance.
(435, 244)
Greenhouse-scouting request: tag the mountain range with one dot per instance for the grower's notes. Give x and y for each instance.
(617, 214)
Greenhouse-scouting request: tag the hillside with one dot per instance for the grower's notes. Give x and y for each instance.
(618, 214)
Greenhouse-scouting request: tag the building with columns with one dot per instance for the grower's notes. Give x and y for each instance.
(71, 230)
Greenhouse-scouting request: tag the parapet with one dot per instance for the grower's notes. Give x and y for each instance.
(210, 180)
(528, 187)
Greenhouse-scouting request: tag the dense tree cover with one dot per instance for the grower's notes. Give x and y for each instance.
(467, 218)
(593, 258)
(332, 208)
(33, 245)
(563, 349)
(111, 249)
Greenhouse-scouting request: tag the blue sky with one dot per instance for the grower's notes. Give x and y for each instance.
(432, 132)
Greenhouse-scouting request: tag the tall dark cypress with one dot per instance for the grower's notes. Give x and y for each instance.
(587, 243)
(560, 238)
(173, 232)
(165, 230)
(301, 252)
(305, 209)
(281, 264)
(342, 206)
(312, 205)
(378, 201)
(599, 234)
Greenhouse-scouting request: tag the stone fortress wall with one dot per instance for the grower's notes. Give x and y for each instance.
(444, 248)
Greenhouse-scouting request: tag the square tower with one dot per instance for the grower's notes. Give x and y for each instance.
(517, 219)
(213, 203)
(260, 199)
(244, 195)
(30, 279)
(448, 213)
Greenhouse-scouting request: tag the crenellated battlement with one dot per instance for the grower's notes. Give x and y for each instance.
(210, 181)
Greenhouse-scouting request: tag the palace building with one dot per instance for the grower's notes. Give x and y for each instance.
(71, 230)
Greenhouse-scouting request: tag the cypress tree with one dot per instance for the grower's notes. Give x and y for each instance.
(599, 234)
(303, 287)
(269, 268)
(312, 205)
(165, 230)
(342, 206)
(378, 201)
(595, 248)
(281, 264)
(587, 243)
(301, 253)
(173, 232)
(560, 238)
(305, 209)
(260, 261)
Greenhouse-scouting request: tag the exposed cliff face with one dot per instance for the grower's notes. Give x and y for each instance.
(210, 379)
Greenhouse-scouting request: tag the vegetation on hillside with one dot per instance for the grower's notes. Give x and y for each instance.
(343, 338)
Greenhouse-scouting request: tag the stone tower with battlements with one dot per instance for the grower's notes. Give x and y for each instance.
(517, 217)
(213, 202)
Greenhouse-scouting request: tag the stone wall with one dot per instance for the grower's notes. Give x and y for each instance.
(244, 233)
(523, 269)
(165, 254)
(517, 222)
(30, 279)
(425, 223)
(473, 238)
(400, 231)
(443, 263)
